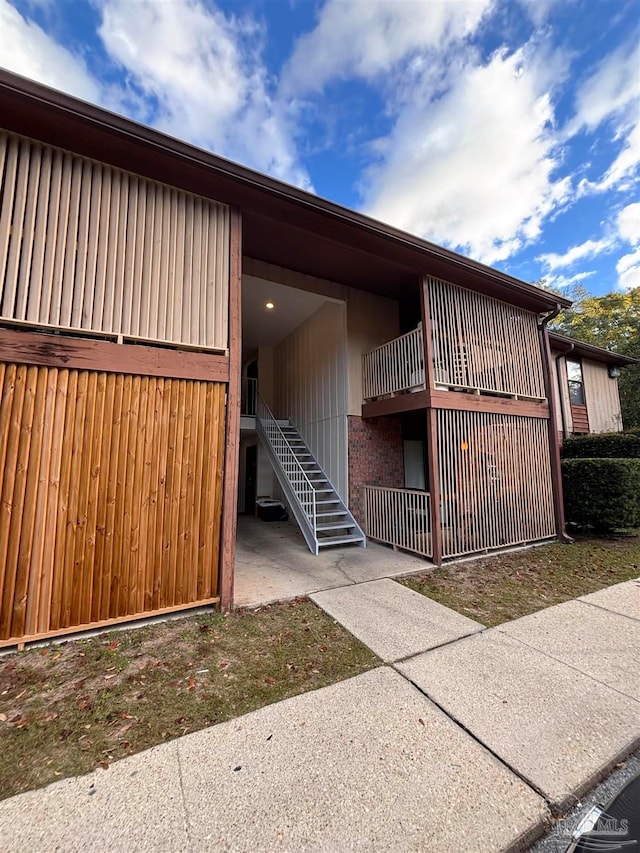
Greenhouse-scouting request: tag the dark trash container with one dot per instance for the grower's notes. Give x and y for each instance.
(271, 510)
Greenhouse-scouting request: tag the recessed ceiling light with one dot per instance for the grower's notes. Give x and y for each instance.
(270, 305)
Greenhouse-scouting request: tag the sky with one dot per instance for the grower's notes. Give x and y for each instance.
(507, 130)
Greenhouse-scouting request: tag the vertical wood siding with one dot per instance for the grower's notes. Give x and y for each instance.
(495, 480)
(110, 496)
(311, 388)
(86, 246)
(602, 398)
(483, 344)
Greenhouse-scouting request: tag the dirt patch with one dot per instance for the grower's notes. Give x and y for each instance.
(67, 709)
(507, 586)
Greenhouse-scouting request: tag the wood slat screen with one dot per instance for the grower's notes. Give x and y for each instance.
(110, 496)
(399, 517)
(89, 247)
(495, 481)
(482, 344)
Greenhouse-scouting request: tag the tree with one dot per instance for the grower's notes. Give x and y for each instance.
(612, 322)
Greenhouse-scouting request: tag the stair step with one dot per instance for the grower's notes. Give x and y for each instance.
(331, 513)
(336, 501)
(339, 540)
(337, 526)
(324, 491)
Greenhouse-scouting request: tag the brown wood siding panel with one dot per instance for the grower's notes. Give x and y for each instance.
(579, 418)
(57, 351)
(105, 512)
(495, 481)
(482, 343)
(88, 247)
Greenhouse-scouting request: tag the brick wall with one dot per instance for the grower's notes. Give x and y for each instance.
(375, 457)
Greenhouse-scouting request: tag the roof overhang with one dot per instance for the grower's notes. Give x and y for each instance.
(563, 344)
(282, 225)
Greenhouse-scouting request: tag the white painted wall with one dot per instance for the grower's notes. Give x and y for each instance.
(310, 387)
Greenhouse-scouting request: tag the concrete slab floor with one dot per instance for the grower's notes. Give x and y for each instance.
(273, 563)
(556, 727)
(595, 641)
(367, 764)
(392, 620)
(623, 598)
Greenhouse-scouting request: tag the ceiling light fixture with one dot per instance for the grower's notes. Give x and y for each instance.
(270, 305)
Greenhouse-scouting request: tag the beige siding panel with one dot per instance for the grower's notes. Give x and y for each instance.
(483, 344)
(561, 393)
(88, 247)
(602, 398)
(310, 382)
(371, 321)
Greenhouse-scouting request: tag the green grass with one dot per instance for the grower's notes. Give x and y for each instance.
(67, 709)
(510, 585)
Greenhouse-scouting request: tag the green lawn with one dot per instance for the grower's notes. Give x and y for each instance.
(503, 587)
(66, 709)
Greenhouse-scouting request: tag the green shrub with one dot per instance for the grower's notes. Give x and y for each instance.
(606, 445)
(602, 493)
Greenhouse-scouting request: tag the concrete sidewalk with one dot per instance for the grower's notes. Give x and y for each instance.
(464, 743)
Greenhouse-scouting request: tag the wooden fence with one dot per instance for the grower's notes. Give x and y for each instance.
(495, 480)
(89, 247)
(110, 497)
(399, 517)
(482, 344)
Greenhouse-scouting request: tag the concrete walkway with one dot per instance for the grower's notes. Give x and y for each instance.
(274, 563)
(462, 747)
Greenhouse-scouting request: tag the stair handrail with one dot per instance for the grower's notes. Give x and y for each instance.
(266, 417)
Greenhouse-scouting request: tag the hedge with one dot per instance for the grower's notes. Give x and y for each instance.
(606, 445)
(602, 493)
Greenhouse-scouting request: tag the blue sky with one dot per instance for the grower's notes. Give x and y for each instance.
(508, 130)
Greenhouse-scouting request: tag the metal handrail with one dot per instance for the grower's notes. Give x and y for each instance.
(301, 486)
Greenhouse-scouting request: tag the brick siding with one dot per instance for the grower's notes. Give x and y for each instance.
(376, 457)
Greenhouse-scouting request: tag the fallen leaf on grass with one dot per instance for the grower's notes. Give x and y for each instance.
(269, 681)
(113, 645)
(3, 718)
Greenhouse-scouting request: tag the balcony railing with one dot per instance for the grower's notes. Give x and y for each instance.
(394, 367)
(399, 517)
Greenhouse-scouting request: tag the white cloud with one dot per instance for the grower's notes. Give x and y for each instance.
(610, 90)
(561, 281)
(628, 269)
(629, 223)
(27, 50)
(190, 71)
(612, 94)
(476, 168)
(588, 249)
(364, 38)
(203, 75)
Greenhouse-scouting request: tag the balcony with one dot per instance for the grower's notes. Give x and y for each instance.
(396, 367)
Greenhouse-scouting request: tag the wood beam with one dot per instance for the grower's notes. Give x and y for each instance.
(490, 405)
(25, 347)
(432, 428)
(554, 444)
(230, 490)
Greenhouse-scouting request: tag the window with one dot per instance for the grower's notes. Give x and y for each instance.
(576, 385)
